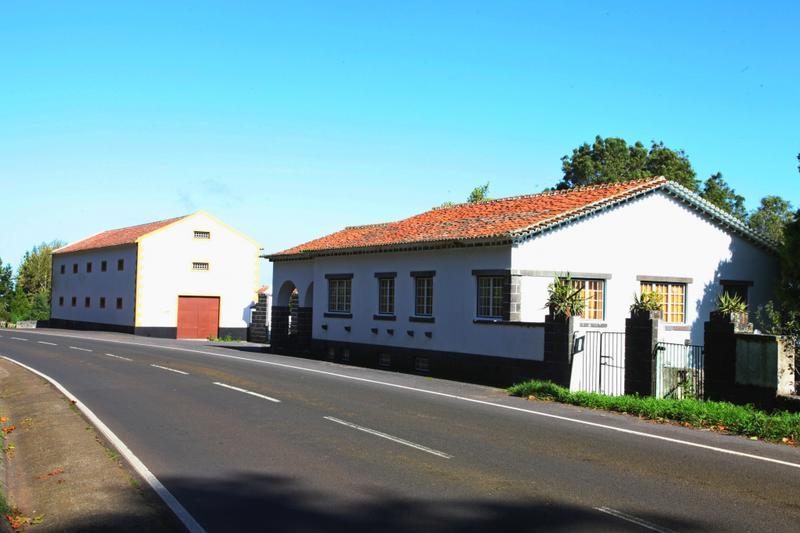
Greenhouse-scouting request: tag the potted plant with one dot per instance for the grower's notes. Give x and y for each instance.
(731, 308)
(564, 300)
(646, 306)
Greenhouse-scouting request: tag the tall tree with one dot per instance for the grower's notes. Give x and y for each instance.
(717, 191)
(35, 270)
(771, 217)
(6, 290)
(612, 159)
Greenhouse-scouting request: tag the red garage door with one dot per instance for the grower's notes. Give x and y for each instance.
(198, 317)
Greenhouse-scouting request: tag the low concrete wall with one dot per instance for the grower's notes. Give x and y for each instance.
(765, 361)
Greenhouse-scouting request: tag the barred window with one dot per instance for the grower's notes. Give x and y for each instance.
(593, 295)
(386, 296)
(673, 299)
(102, 302)
(103, 266)
(87, 302)
(202, 234)
(490, 296)
(423, 301)
(339, 295)
(199, 266)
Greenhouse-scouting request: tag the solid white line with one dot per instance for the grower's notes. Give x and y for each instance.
(80, 349)
(463, 399)
(119, 357)
(632, 519)
(179, 510)
(390, 437)
(47, 343)
(251, 393)
(171, 369)
(18, 339)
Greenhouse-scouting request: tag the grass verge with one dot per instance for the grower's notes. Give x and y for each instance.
(778, 426)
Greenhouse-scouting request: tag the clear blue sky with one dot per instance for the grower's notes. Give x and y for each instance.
(292, 120)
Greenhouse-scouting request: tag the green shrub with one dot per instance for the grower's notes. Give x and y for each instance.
(731, 303)
(779, 426)
(647, 301)
(563, 298)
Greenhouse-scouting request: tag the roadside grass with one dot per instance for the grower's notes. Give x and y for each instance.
(776, 426)
(226, 338)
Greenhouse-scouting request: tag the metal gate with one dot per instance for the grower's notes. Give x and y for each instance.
(678, 371)
(598, 360)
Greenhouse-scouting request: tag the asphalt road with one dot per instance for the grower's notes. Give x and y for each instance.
(346, 448)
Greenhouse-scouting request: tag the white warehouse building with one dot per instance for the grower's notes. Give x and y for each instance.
(186, 277)
(461, 290)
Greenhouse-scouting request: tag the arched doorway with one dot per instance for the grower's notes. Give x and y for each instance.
(282, 321)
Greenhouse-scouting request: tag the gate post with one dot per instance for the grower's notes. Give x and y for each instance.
(558, 332)
(304, 317)
(641, 340)
(257, 331)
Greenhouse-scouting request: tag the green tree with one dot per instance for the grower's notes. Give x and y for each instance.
(612, 159)
(35, 271)
(789, 289)
(771, 217)
(20, 305)
(6, 291)
(717, 191)
(479, 194)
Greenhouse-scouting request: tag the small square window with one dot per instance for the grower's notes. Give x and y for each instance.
(87, 302)
(103, 266)
(331, 353)
(120, 264)
(199, 266)
(119, 303)
(73, 301)
(422, 364)
(102, 302)
(384, 359)
(202, 234)
(63, 268)
(61, 301)
(89, 267)
(74, 268)
(345, 354)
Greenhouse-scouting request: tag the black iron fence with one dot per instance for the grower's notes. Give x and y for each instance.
(678, 371)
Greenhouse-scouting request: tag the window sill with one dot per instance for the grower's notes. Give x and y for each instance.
(677, 327)
(384, 317)
(338, 315)
(501, 322)
(421, 319)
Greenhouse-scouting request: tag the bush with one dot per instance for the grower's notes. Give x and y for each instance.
(563, 298)
(778, 426)
(647, 301)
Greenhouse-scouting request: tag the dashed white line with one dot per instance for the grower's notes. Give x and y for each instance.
(18, 339)
(47, 343)
(80, 349)
(119, 357)
(390, 437)
(632, 519)
(170, 369)
(251, 393)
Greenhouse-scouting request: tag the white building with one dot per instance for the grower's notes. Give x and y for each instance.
(187, 277)
(461, 290)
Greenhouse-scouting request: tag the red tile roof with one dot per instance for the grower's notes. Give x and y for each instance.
(494, 219)
(115, 237)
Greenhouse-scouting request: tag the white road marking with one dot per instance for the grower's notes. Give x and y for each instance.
(119, 357)
(80, 349)
(47, 343)
(251, 393)
(18, 339)
(632, 519)
(460, 398)
(170, 369)
(179, 510)
(390, 437)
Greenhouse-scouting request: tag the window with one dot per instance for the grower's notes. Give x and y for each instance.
(63, 268)
(423, 296)
(89, 267)
(73, 301)
(103, 266)
(120, 264)
(202, 234)
(199, 266)
(87, 302)
(593, 295)
(386, 296)
(672, 296)
(490, 296)
(119, 303)
(102, 302)
(74, 268)
(61, 301)
(384, 359)
(339, 295)
(736, 288)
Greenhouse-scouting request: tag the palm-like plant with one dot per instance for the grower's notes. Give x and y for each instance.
(563, 298)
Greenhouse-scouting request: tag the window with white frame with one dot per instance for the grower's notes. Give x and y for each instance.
(339, 295)
(593, 296)
(672, 297)
(490, 296)
(423, 300)
(386, 296)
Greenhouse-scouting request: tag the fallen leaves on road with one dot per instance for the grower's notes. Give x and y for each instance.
(52, 473)
(9, 429)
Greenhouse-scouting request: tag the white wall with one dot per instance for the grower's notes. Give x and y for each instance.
(165, 272)
(111, 284)
(655, 235)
